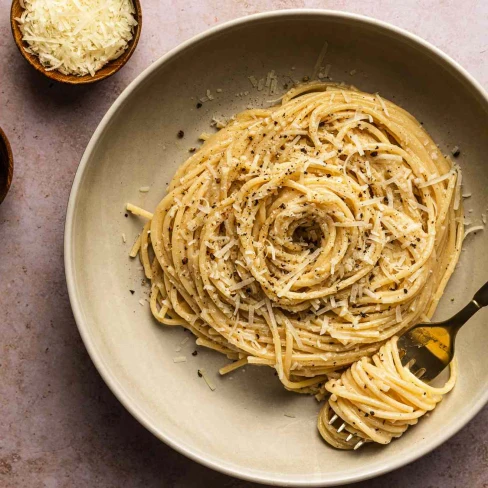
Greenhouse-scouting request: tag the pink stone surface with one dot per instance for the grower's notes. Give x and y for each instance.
(60, 426)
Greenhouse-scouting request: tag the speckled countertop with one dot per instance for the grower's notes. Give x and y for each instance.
(60, 426)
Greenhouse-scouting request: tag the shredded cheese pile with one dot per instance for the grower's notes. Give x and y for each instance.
(77, 37)
(304, 236)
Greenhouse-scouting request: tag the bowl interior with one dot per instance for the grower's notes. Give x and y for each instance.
(249, 426)
(109, 69)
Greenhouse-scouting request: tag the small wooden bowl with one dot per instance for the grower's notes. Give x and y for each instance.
(6, 165)
(108, 70)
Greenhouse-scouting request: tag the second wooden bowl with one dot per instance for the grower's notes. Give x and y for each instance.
(108, 70)
(6, 165)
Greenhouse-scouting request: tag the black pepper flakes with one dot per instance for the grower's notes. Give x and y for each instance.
(374, 154)
(194, 353)
(184, 260)
(199, 105)
(199, 373)
(181, 134)
(132, 292)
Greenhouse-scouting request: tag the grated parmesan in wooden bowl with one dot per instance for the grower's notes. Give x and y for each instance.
(76, 41)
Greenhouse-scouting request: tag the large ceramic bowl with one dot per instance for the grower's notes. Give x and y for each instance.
(241, 428)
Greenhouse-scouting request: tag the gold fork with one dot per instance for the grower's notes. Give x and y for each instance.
(430, 347)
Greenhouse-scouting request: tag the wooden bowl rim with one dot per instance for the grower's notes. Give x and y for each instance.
(10, 162)
(55, 75)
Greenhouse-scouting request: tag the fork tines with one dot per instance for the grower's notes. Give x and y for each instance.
(350, 436)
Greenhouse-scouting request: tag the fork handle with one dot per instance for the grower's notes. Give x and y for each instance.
(481, 296)
(479, 301)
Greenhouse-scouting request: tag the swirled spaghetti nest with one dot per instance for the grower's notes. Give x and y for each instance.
(305, 235)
